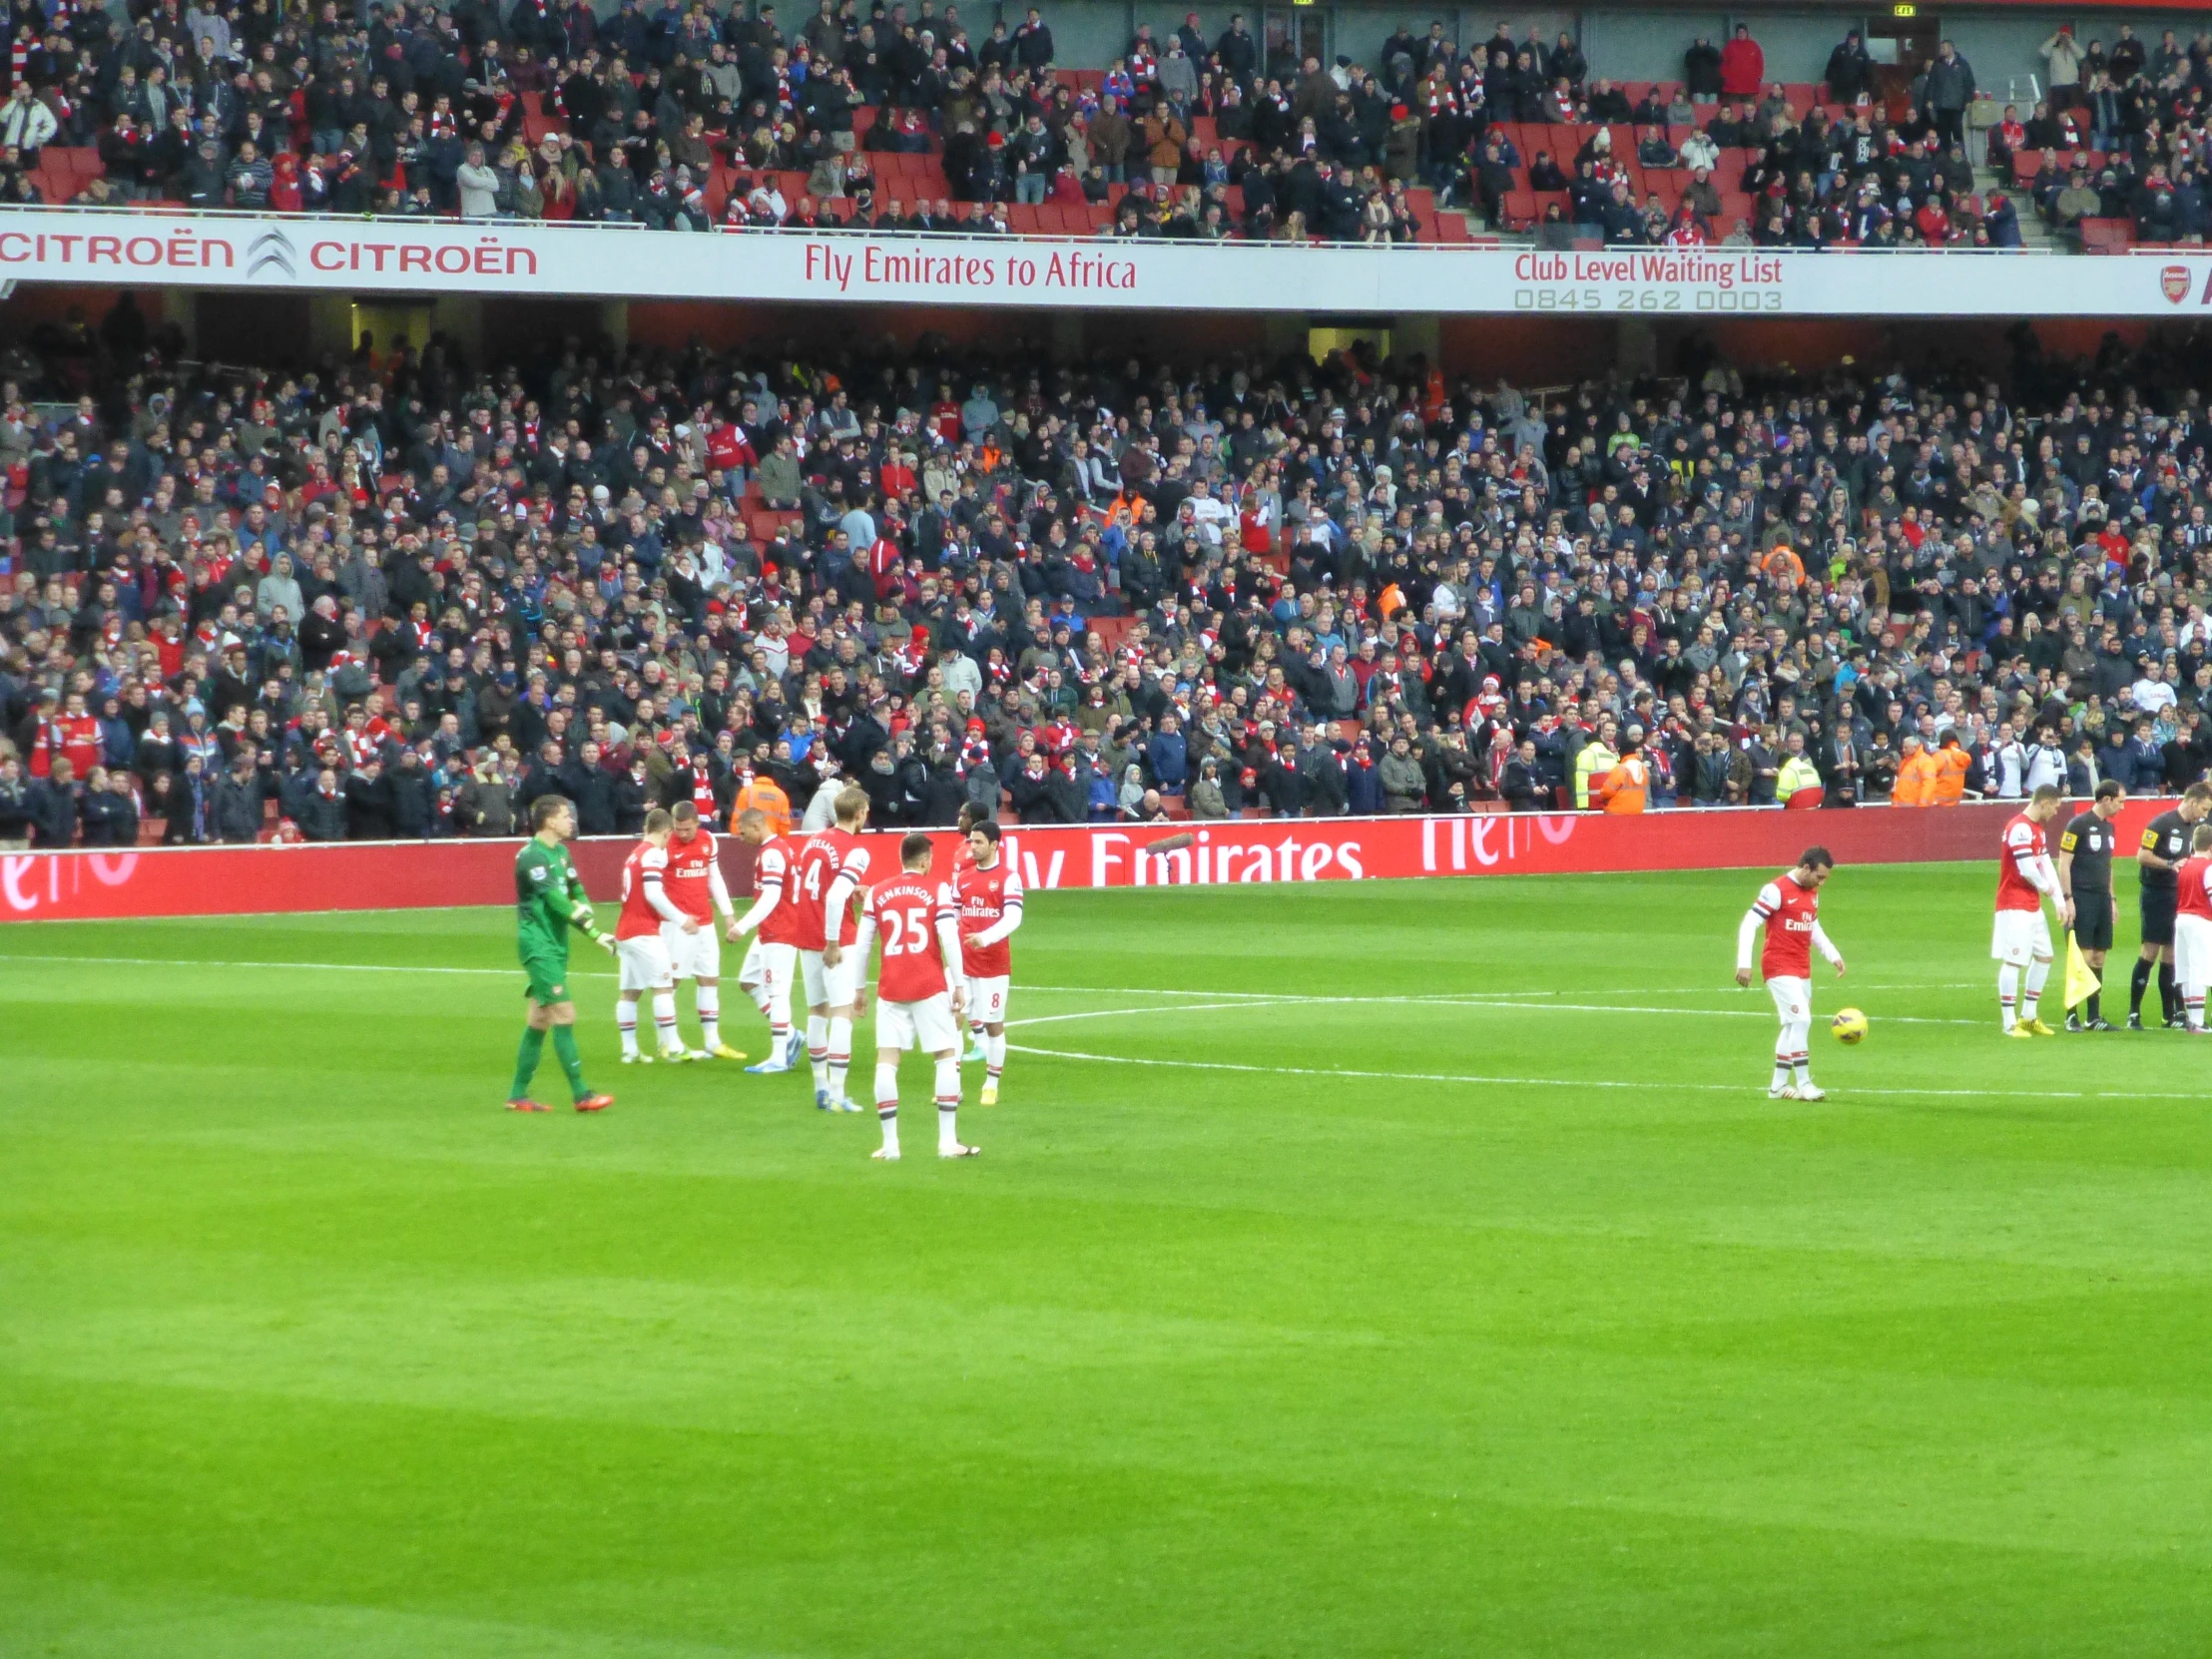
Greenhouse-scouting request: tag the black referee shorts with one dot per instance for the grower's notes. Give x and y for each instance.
(2158, 915)
(2093, 920)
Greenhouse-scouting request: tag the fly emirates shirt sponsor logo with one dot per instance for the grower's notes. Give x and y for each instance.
(1683, 280)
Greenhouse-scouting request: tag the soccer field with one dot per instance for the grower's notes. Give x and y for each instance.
(1363, 1269)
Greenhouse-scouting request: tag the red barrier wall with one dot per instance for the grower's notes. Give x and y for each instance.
(247, 880)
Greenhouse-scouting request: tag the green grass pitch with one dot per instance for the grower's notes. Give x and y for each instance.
(1537, 1331)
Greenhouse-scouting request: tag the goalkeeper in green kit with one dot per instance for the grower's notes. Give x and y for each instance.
(549, 901)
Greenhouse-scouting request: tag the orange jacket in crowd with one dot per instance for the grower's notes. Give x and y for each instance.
(1952, 765)
(766, 794)
(1916, 785)
(1622, 790)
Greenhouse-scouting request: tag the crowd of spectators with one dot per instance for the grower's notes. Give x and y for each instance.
(403, 596)
(688, 116)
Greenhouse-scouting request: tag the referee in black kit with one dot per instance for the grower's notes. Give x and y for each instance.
(2165, 844)
(2086, 876)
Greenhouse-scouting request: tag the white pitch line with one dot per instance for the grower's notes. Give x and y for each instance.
(1584, 1083)
(282, 967)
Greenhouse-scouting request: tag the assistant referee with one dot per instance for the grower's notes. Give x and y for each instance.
(2165, 844)
(2086, 876)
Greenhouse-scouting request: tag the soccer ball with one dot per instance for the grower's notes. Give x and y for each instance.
(1848, 1026)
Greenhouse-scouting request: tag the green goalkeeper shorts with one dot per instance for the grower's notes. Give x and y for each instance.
(547, 972)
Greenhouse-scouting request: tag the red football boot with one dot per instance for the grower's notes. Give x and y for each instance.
(594, 1103)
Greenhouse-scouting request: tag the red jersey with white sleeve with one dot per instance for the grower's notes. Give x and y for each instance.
(2195, 877)
(691, 875)
(986, 897)
(905, 914)
(2025, 872)
(844, 857)
(776, 873)
(1790, 917)
(643, 875)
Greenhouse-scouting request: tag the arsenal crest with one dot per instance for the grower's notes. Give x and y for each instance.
(2175, 280)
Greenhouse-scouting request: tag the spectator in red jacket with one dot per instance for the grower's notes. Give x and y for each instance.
(1743, 66)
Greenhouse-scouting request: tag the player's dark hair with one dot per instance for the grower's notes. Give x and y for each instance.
(971, 816)
(658, 820)
(1816, 858)
(544, 809)
(987, 828)
(2201, 793)
(2044, 793)
(684, 812)
(2111, 789)
(914, 849)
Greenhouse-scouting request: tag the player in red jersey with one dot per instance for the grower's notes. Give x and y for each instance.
(2020, 939)
(773, 962)
(641, 947)
(695, 885)
(920, 990)
(987, 889)
(1789, 907)
(971, 816)
(837, 863)
(2193, 926)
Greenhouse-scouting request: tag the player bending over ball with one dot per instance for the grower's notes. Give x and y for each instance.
(1789, 907)
(920, 990)
(2193, 926)
(695, 886)
(833, 867)
(988, 890)
(2020, 939)
(641, 947)
(549, 901)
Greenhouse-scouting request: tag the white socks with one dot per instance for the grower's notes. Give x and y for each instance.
(626, 1021)
(948, 1102)
(757, 991)
(2038, 971)
(2008, 992)
(818, 1048)
(994, 1055)
(841, 1054)
(710, 1014)
(887, 1104)
(663, 1018)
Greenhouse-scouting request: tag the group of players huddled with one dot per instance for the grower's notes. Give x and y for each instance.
(2175, 901)
(817, 922)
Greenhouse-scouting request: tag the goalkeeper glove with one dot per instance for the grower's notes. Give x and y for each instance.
(605, 941)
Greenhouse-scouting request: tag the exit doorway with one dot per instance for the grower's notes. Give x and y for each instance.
(1901, 47)
(1294, 34)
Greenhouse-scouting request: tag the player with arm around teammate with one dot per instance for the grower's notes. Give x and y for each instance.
(834, 862)
(920, 990)
(696, 888)
(2019, 939)
(2085, 879)
(641, 945)
(771, 963)
(1789, 908)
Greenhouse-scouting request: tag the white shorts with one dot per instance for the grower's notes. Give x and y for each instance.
(927, 1026)
(2193, 953)
(772, 966)
(2020, 936)
(986, 1002)
(826, 986)
(693, 955)
(1792, 998)
(644, 962)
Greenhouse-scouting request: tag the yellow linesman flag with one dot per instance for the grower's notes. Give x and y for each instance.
(2082, 981)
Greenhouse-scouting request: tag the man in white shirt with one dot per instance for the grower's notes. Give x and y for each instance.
(2153, 696)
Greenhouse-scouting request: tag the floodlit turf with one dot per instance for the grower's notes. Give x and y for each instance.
(1540, 1330)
